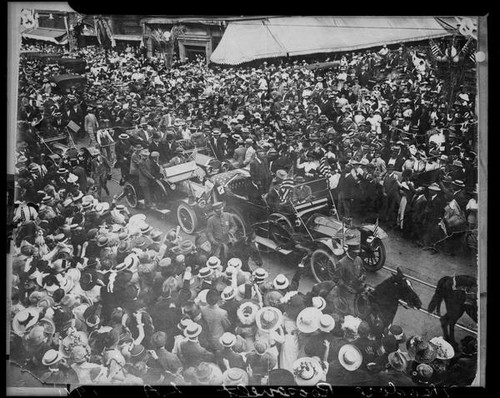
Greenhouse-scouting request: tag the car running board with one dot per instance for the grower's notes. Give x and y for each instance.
(269, 243)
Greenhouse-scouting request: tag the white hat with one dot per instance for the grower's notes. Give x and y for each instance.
(24, 320)
(281, 282)
(326, 323)
(319, 302)
(269, 318)
(213, 262)
(307, 371)
(444, 349)
(350, 357)
(351, 323)
(228, 293)
(51, 357)
(308, 320)
(260, 273)
(192, 330)
(234, 262)
(227, 339)
(201, 298)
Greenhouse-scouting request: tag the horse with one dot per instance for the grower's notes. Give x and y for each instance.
(378, 305)
(459, 293)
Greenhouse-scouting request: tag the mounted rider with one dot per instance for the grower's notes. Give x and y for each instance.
(350, 273)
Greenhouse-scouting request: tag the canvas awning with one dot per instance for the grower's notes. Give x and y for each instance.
(248, 40)
(56, 36)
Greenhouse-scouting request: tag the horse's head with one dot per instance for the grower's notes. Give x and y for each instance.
(404, 289)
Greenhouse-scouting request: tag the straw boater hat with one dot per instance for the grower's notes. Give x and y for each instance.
(269, 318)
(307, 371)
(52, 357)
(308, 320)
(350, 357)
(205, 272)
(228, 293)
(319, 302)
(213, 262)
(326, 323)
(24, 320)
(227, 339)
(234, 377)
(444, 350)
(260, 274)
(281, 282)
(192, 330)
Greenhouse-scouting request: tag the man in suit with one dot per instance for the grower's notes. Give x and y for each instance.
(91, 125)
(222, 147)
(433, 214)
(216, 318)
(146, 178)
(191, 353)
(123, 151)
(259, 171)
(391, 195)
(239, 153)
(169, 145)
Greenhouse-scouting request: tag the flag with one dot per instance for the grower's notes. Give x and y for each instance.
(435, 48)
(375, 230)
(469, 49)
(325, 169)
(286, 188)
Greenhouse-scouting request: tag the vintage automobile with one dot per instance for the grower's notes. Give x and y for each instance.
(182, 189)
(64, 83)
(309, 226)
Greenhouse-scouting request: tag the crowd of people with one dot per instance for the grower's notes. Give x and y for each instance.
(99, 296)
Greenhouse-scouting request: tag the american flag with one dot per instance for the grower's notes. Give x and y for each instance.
(286, 188)
(469, 49)
(435, 48)
(325, 169)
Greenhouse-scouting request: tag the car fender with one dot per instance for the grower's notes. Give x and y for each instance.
(333, 246)
(380, 233)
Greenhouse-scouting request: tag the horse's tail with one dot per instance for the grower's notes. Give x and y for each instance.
(438, 296)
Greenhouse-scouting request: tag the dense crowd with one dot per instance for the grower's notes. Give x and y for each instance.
(99, 296)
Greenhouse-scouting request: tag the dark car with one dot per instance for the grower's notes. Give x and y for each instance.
(75, 65)
(64, 83)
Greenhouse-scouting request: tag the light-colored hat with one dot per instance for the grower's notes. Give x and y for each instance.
(24, 320)
(308, 320)
(247, 312)
(228, 293)
(269, 318)
(205, 272)
(213, 262)
(227, 339)
(444, 349)
(260, 274)
(319, 302)
(192, 330)
(234, 377)
(351, 323)
(326, 323)
(281, 174)
(234, 262)
(350, 357)
(51, 357)
(307, 371)
(434, 187)
(281, 282)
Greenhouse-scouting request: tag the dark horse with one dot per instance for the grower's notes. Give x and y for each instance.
(378, 306)
(459, 293)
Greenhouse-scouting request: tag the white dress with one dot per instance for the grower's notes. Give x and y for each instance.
(290, 348)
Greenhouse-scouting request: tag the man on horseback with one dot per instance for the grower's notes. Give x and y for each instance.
(350, 273)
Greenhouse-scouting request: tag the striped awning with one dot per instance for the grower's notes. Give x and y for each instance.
(56, 36)
(248, 40)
